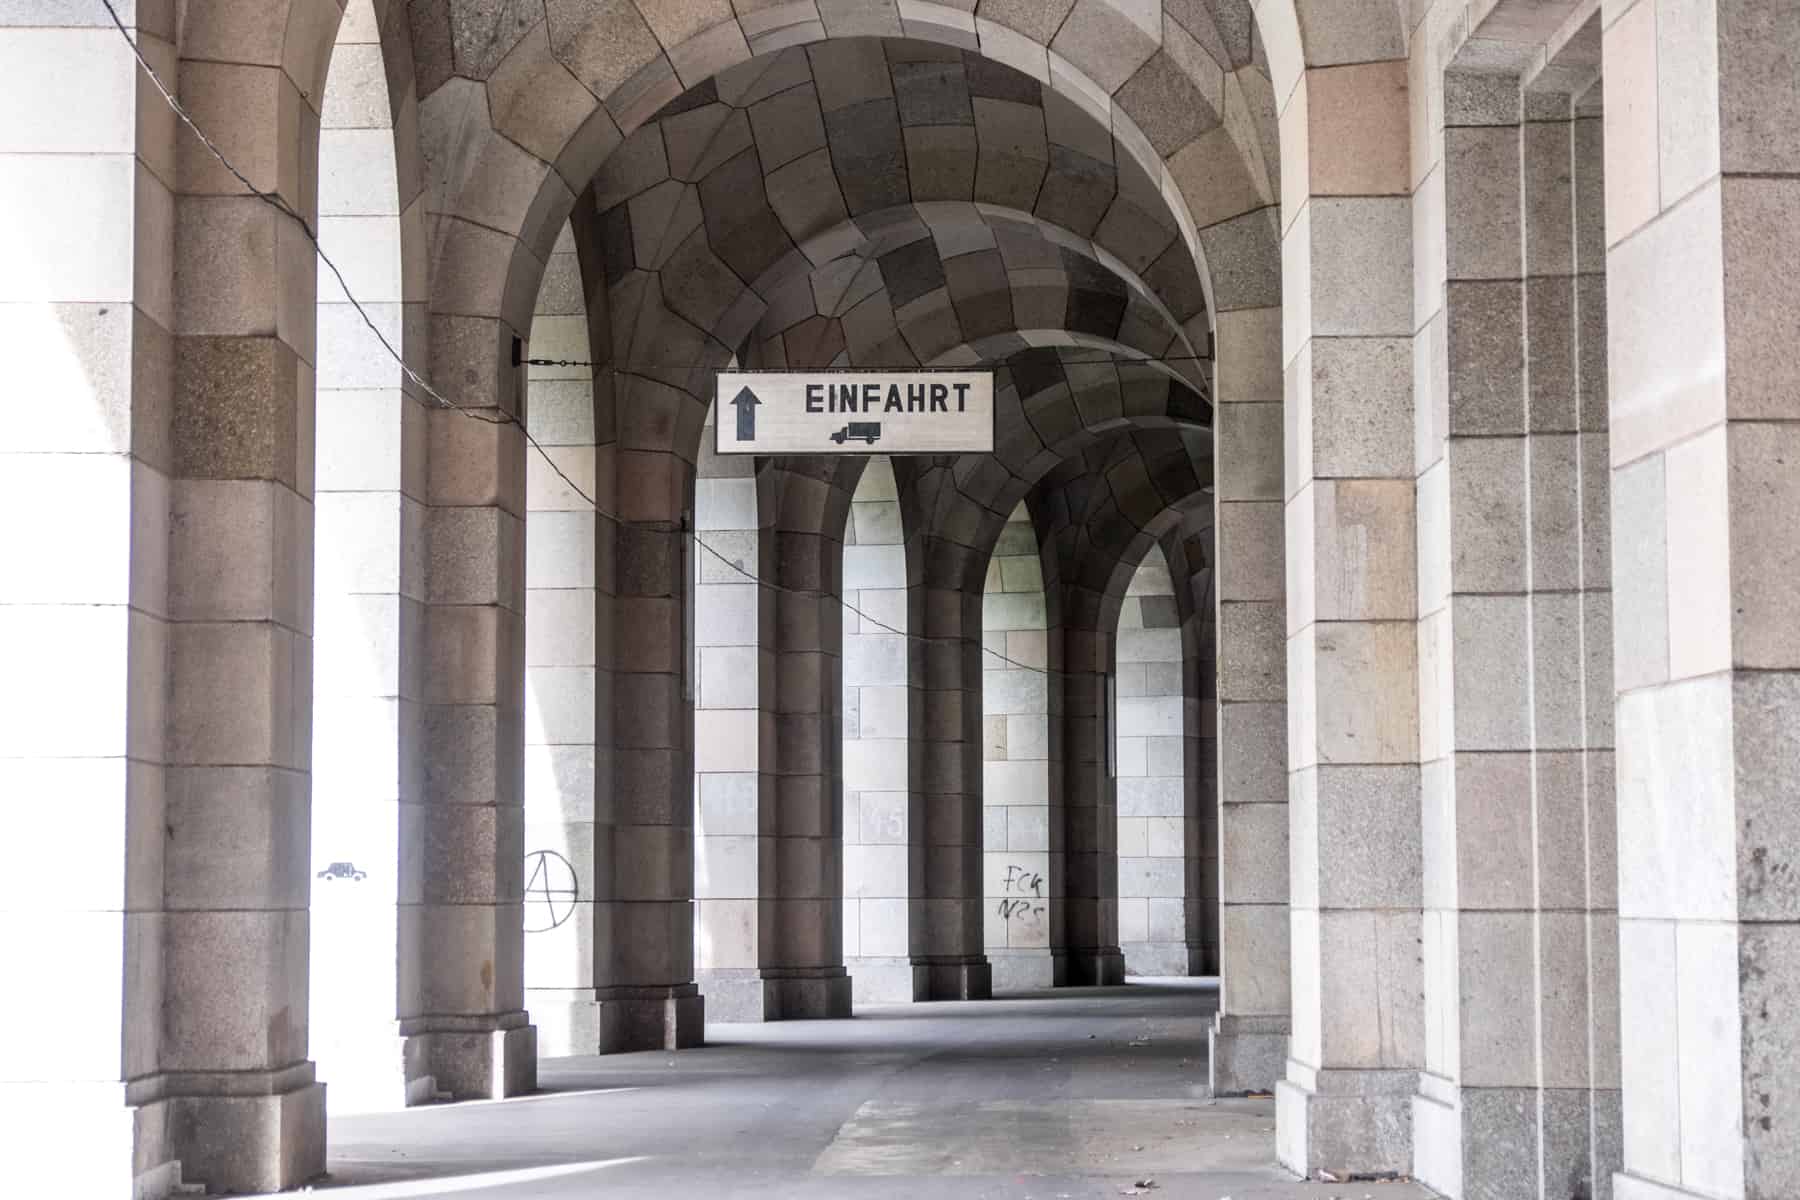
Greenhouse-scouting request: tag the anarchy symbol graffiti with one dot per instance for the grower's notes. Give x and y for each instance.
(550, 891)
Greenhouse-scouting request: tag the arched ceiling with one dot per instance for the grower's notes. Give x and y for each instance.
(958, 283)
(819, 160)
(516, 114)
(889, 203)
(1052, 406)
(1099, 512)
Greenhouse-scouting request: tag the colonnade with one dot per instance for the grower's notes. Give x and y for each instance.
(1439, 348)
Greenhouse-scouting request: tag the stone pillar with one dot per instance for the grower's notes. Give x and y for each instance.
(877, 885)
(1353, 794)
(1702, 143)
(369, 594)
(561, 668)
(1089, 888)
(644, 835)
(1017, 803)
(244, 1110)
(1569, 485)
(462, 879)
(1249, 1036)
(944, 731)
(1155, 839)
(1520, 1062)
(801, 914)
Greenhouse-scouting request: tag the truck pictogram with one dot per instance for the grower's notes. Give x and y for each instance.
(859, 431)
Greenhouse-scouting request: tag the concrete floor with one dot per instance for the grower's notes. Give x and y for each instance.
(1079, 1093)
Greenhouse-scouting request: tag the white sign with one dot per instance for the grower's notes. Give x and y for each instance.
(855, 412)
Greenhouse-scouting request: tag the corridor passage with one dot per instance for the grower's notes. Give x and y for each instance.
(1081, 1093)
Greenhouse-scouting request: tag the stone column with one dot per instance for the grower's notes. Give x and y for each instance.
(1518, 939)
(1353, 795)
(245, 1112)
(877, 885)
(462, 880)
(644, 824)
(1702, 149)
(1089, 888)
(1586, 888)
(1017, 804)
(944, 732)
(1155, 841)
(561, 668)
(1249, 1036)
(801, 915)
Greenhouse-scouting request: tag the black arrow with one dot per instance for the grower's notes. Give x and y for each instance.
(746, 402)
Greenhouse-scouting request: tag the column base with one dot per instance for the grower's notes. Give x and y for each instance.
(1343, 1121)
(1098, 966)
(1483, 1141)
(887, 981)
(970, 978)
(651, 1018)
(1027, 970)
(776, 994)
(808, 994)
(486, 1057)
(235, 1131)
(1247, 1053)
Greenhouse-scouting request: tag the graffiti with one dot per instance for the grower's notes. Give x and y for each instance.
(550, 891)
(1023, 879)
(1026, 893)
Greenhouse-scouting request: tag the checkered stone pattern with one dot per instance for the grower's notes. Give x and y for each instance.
(1182, 102)
(1052, 406)
(800, 190)
(953, 283)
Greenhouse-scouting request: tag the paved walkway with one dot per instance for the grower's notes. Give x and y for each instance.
(1080, 1093)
